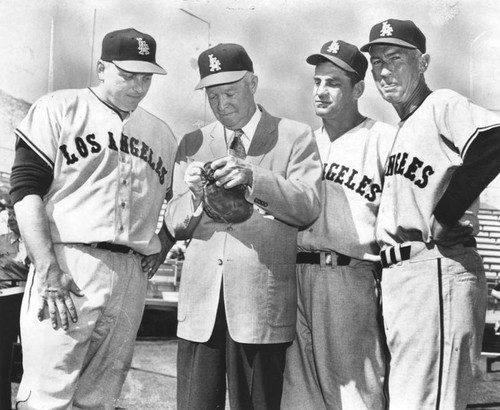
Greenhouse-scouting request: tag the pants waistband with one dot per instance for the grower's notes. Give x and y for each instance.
(113, 247)
(326, 258)
(403, 252)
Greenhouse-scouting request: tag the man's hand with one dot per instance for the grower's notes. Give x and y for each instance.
(193, 179)
(231, 171)
(151, 263)
(55, 290)
(451, 235)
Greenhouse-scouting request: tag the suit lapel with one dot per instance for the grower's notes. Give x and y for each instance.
(265, 138)
(217, 144)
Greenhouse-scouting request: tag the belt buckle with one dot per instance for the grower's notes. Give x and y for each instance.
(327, 259)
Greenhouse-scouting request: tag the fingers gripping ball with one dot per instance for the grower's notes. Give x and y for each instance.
(224, 204)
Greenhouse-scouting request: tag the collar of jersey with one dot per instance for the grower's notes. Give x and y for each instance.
(418, 96)
(111, 107)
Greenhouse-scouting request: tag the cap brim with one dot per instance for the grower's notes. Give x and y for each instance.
(391, 41)
(134, 66)
(225, 77)
(315, 59)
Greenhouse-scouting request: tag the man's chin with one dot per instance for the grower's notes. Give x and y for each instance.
(391, 97)
(322, 112)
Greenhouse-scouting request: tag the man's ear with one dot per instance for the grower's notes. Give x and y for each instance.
(425, 60)
(358, 89)
(100, 68)
(254, 82)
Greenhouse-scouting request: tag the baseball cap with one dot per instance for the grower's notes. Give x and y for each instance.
(346, 56)
(131, 51)
(225, 63)
(402, 33)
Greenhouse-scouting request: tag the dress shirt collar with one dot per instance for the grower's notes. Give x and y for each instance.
(249, 129)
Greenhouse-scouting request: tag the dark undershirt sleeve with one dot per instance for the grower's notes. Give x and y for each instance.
(481, 164)
(30, 173)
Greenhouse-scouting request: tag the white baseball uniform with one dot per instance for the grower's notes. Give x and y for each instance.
(433, 297)
(337, 359)
(110, 178)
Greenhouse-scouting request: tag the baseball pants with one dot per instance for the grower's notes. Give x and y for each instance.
(434, 308)
(85, 366)
(337, 358)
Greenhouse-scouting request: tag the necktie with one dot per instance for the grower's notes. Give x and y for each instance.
(237, 148)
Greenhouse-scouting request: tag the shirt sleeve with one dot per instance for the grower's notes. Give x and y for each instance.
(481, 164)
(30, 173)
(461, 121)
(40, 129)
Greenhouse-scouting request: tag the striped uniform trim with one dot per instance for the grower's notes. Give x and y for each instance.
(395, 254)
(474, 136)
(41, 154)
(441, 336)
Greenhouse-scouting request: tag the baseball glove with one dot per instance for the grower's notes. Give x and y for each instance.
(224, 204)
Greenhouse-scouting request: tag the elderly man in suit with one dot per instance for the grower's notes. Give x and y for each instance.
(237, 302)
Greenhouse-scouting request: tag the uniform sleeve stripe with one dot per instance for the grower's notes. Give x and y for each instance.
(473, 137)
(44, 157)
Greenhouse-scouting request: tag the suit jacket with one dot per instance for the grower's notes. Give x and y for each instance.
(254, 260)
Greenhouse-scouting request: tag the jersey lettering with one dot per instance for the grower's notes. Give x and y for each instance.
(362, 185)
(127, 145)
(81, 147)
(427, 171)
(96, 147)
(124, 144)
(112, 143)
(70, 158)
(133, 146)
(398, 164)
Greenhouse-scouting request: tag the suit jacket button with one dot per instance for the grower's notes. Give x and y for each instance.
(219, 261)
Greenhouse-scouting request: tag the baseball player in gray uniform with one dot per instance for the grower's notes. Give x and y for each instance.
(433, 284)
(91, 172)
(337, 359)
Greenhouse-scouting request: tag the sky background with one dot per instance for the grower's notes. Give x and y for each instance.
(52, 44)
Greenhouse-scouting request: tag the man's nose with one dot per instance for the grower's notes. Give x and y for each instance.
(221, 103)
(386, 71)
(321, 89)
(139, 85)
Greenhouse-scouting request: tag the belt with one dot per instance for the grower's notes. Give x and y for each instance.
(113, 247)
(314, 258)
(399, 253)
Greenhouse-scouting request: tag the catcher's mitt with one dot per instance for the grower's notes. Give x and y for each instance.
(224, 204)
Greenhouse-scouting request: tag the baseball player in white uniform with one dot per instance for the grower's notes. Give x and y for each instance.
(337, 359)
(433, 283)
(92, 170)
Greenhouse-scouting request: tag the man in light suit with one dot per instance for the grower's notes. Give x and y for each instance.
(237, 301)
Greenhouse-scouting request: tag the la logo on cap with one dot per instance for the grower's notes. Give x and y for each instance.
(224, 63)
(333, 48)
(143, 46)
(386, 29)
(214, 63)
